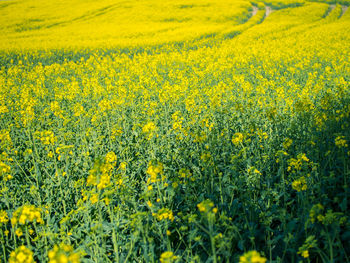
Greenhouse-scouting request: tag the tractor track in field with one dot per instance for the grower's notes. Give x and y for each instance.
(329, 11)
(268, 10)
(254, 11)
(344, 8)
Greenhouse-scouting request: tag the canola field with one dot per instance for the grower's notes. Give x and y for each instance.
(174, 131)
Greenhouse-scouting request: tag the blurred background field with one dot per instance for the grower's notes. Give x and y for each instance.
(47, 24)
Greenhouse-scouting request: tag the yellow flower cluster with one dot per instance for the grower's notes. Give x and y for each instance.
(316, 213)
(340, 142)
(297, 164)
(56, 109)
(62, 150)
(305, 253)
(237, 138)
(21, 255)
(154, 169)
(252, 257)
(164, 213)
(63, 254)
(253, 170)
(3, 109)
(46, 137)
(149, 129)
(177, 121)
(167, 257)
(5, 139)
(207, 206)
(5, 171)
(111, 157)
(287, 143)
(186, 174)
(100, 174)
(309, 243)
(27, 214)
(3, 217)
(299, 184)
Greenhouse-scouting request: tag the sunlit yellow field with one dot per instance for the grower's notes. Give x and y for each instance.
(174, 131)
(109, 23)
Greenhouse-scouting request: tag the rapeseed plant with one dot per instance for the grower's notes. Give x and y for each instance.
(21, 255)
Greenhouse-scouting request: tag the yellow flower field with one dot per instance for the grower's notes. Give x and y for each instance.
(174, 131)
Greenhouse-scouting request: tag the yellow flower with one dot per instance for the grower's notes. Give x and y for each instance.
(46, 137)
(78, 110)
(19, 232)
(3, 109)
(104, 181)
(253, 170)
(63, 254)
(94, 198)
(106, 200)
(3, 217)
(316, 213)
(205, 157)
(149, 129)
(287, 143)
(5, 171)
(185, 173)
(164, 213)
(167, 257)
(154, 169)
(237, 138)
(111, 157)
(299, 184)
(207, 206)
(340, 142)
(305, 254)
(21, 255)
(100, 174)
(252, 257)
(26, 214)
(123, 165)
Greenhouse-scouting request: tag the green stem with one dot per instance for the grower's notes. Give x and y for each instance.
(130, 250)
(114, 237)
(59, 182)
(35, 154)
(270, 246)
(212, 241)
(3, 244)
(330, 243)
(27, 237)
